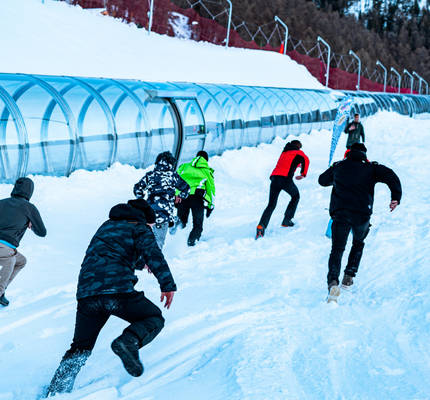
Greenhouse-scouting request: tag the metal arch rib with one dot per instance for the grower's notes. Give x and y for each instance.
(221, 111)
(21, 129)
(229, 96)
(140, 107)
(108, 114)
(68, 114)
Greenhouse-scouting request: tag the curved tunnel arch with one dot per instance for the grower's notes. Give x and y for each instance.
(60, 133)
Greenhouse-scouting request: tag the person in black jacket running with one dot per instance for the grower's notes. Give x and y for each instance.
(355, 131)
(353, 180)
(123, 244)
(17, 215)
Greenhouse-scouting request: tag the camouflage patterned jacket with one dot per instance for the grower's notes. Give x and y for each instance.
(158, 188)
(121, 245)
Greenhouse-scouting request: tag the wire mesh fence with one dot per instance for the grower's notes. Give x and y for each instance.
(207, 20)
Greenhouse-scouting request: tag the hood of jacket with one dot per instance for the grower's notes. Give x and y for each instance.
(200, 162)
(24, 187)
(356, 155)
(125, 212)
(164, 165)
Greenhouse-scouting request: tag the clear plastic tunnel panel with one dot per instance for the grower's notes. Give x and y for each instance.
(51, 145)
(234, 128)
(249, 112)
(11, 144)
(265, 111)
(194, 131)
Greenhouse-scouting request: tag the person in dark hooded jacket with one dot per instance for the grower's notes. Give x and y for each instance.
(158, 187)
(353, 180)
(292, 157)
(17, 215)
(123, 244)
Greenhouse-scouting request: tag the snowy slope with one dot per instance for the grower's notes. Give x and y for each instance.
(249, 320)
(58, 39)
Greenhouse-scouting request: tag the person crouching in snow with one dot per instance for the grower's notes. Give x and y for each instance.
(200, 176)
(17, 215)
(123, 244)
(282, 179)
(158, 187)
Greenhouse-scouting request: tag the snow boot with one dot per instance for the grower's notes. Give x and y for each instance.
(333, 292)
(126, 347)
(65, 375)
(191, 242)
(286, 222)
(4, 301)
(260, 232)
(347, 281)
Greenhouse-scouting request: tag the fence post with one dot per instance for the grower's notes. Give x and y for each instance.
(229, 23)
(385, 73)
(277, 19)
(427, 86)
(359, 68)
(419, 81)
(399, 77)
(405, 71)
(151, 12)
(327, 74)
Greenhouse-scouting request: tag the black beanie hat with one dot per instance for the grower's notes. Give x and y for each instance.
(203, 154)
(143, 205)
(359, 147)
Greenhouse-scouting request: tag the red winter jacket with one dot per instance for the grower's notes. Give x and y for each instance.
(289, 161)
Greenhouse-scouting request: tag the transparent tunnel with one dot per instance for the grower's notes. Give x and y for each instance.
(53, 125)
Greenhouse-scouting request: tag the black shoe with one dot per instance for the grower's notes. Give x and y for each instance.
(4, 301)
(126, 347)
(286, 222)
(260, 232)
(347, 280)
(191, 242)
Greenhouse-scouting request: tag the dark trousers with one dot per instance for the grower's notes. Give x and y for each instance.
(92, 314)
(278, 184)
(343, 223)
(193, 203)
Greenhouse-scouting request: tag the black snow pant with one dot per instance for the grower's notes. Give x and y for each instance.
(92, 314)
(278, 184)
(343, 223)
(195, 204)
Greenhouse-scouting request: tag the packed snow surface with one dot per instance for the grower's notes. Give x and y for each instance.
(249, 320)
(58, 39)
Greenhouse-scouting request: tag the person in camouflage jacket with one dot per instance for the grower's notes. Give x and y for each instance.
(158, 188)
(200, 177)
(123, 244)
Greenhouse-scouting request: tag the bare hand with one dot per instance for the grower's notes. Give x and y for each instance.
(148, 269)
(169, 298)
(298, 177)
(29, 225)
(393, 205)
(177, 200)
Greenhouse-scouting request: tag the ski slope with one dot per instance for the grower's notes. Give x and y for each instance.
(58, 39)
(249, 320)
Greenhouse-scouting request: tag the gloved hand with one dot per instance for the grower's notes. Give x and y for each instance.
(208, 212)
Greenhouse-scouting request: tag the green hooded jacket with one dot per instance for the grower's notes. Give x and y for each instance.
(199, 175)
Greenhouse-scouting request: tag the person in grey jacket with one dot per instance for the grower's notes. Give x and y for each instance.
(17, 215)
(355, 131)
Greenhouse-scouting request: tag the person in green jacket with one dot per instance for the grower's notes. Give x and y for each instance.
(200, 177)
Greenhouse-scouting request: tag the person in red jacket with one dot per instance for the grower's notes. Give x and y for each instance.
(282, 179)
